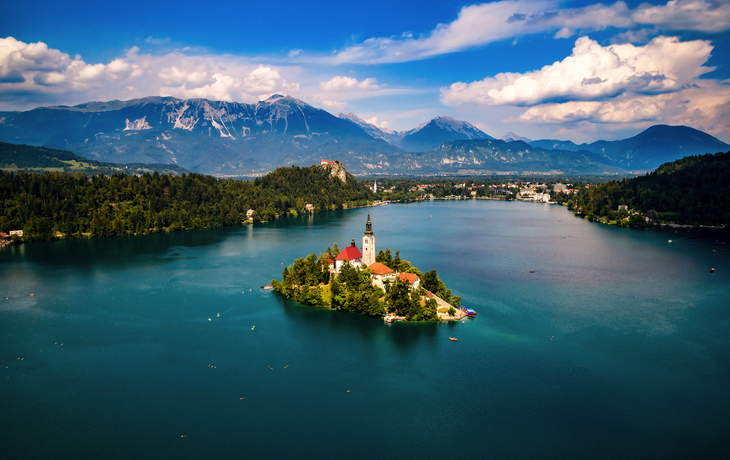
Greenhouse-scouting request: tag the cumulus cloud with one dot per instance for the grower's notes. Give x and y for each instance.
(380, 124)
(340, 84)
(592, 72)
(478, 25)
(704, 105)
(42, 72)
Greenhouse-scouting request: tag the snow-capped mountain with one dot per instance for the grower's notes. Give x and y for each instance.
(197, 134)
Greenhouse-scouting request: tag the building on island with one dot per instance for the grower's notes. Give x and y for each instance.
(350, 253)
(412, 279)
(368, 244)
(380, 273)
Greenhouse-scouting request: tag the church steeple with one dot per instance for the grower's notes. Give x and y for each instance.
(368, 226)
(368, 244)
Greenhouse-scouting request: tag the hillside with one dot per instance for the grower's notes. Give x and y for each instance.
(41, 159)
(392, 137)
(693, 190)
(486, 157)
(648, 149)
(74, 205)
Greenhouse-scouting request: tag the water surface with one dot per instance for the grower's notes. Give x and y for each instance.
(616, 346)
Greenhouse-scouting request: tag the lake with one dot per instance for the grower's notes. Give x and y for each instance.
(164, 346)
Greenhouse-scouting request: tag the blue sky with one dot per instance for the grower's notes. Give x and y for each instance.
(542, 69)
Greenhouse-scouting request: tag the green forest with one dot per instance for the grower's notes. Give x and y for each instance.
(308, 281)
(694, 190)
(48, 205)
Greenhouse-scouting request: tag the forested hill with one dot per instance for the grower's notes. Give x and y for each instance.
(19, 157)
(43, 205)
(692, 190)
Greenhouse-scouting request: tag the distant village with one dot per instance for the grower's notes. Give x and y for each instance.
(523, 191)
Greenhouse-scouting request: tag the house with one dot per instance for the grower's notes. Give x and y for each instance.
(542, 197)
(380, 273)
(412, 279)
(16, 232)
(309, 207)
(350, 253)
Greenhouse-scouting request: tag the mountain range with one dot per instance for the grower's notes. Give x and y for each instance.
(228, 138)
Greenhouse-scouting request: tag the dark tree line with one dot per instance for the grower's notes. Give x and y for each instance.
(77, 205)
(693, 190)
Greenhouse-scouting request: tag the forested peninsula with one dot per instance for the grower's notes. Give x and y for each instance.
(694, 190)
(64, 205)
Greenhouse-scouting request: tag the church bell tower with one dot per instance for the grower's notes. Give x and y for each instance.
(368, 244)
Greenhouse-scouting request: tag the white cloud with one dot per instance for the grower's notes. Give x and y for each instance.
(592, 72)
(379, 124)
(704, 105)
(478, 25)
(340, 84)
(337, 106)
(48, 74)
(690, 15)
(295, 52)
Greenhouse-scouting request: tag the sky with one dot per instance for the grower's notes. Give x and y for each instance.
(572, 70)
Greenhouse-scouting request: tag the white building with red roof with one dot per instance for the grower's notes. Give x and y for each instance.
(380, 273)
(350, 253)
(412, 279)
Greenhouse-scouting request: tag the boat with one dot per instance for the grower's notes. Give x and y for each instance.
(469, 312)
(712, 270)
(453, 339)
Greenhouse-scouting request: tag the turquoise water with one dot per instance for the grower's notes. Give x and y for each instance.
(617, 346)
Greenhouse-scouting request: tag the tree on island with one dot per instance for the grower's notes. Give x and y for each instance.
(308, 281)
(431, 282)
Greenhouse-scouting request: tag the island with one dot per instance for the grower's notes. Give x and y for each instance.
(376, 285)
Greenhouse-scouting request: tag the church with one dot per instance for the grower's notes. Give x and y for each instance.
(352, 253)
(379, 273)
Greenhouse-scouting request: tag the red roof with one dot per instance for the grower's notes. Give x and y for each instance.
(349, 253)
(430, 295)
(330, 261)
(379, 269)
(410, 277)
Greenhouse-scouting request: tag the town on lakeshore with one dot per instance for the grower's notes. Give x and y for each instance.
(376, 284)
